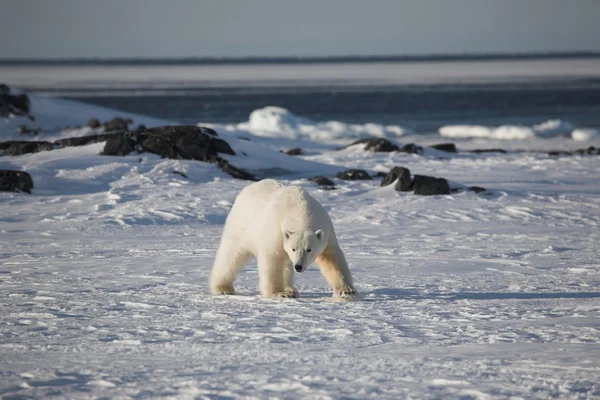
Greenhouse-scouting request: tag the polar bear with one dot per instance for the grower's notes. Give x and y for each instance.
(284, 228)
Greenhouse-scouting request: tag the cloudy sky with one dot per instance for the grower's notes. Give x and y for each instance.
(181, 28)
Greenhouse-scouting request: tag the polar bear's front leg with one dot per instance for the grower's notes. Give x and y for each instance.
(288, 280)
(334, 269)
(269, 275)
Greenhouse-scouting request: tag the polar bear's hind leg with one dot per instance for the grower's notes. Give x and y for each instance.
(228, 263)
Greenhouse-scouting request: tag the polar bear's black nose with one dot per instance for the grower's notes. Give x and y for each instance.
(298, 268)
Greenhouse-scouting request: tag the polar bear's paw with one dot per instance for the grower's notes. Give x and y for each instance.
(222, 290)
(288, 293)
(345, 293)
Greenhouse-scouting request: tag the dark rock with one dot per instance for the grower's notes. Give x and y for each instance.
(93, 123)
(83, 140)
(488, 151)
(222, 146)
(17, 147)
(296, 151)
(178, 142)
(412, 148)
(140, 128)
(447, 147)
(208, 131)
(21, 103)
(429, 186)
(323, 182)
(380, 174)
(13, 104)
(376, 145)
(15, 181)
(180, 173)
(121, 145)
(476, 189)
(401, 174)
(591, 151)
(117, 124)
(353, 175)
(235, 172)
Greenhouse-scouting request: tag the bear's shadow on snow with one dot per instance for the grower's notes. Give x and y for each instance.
(415, 294)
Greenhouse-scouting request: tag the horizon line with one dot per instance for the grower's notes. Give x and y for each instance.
(207, 60)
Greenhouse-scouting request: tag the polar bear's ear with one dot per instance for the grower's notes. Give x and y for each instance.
(287, 234)
(319, 234)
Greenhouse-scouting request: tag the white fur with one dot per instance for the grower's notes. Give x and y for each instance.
(278, 225)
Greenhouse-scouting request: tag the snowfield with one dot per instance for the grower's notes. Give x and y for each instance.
(104, 271)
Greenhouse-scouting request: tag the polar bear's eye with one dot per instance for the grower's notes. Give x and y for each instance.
(293, 249)
(308, 250)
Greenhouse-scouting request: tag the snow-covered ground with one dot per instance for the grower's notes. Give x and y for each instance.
(104, 267)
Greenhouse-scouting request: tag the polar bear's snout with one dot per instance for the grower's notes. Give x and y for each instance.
(301, 262)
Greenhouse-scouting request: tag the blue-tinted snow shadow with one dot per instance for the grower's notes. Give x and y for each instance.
(415, 294)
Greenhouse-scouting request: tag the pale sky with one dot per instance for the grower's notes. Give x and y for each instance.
(237, 28)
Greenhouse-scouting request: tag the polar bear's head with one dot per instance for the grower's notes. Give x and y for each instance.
(303, 247)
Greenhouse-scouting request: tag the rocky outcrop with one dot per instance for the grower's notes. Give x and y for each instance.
(177, 142)
(18, 147)
(15, 181)
(421, 184)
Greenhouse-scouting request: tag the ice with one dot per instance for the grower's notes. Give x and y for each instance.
(585, 134)
(277, 122)
(104, 270)
(147, 77)
(553, 127)
(504, 132)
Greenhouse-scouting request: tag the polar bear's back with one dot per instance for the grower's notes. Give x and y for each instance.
(269, 206)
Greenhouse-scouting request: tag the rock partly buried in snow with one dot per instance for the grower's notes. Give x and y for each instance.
(93, 123)
(429, 186)
(184, 142)
(353, 175)
(296, 151)
(479, 151)
(476, 189)
(447, 147)
(323, 182)
(376, 145)
(411, 148)
(117, 124)
(590, 151)
(15, 181)
(176, 142)
(13, 104)
(18, 147)
(401, 174)
(235, 172)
